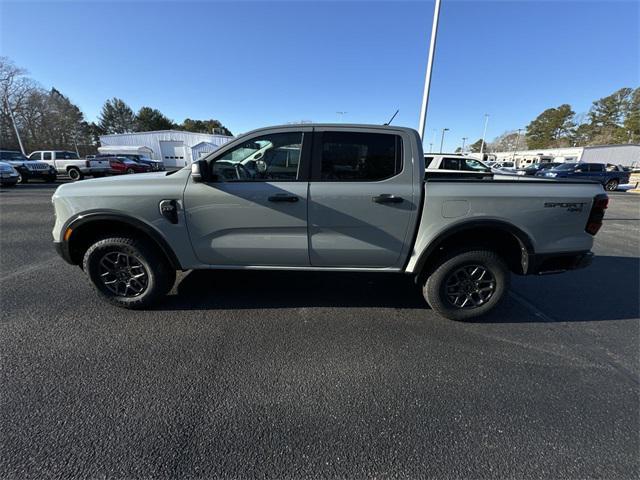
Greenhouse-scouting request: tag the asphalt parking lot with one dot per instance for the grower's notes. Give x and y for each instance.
(296, 375)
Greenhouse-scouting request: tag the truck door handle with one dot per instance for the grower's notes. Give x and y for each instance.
(283, 197)
(387, 198)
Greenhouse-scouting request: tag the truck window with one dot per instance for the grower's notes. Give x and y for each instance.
(66, 156)
(427, 161)
(35, 156)
(360, 157)
(262, 159)
(451, 164)
(46, 155)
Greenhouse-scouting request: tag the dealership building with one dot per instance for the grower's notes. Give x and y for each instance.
(627, 155)
(175, 148)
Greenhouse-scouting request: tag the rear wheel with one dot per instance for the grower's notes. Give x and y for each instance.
(467, 284)
(75, 174)
(128, 272)
(611, 185)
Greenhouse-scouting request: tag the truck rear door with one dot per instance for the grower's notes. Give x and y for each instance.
(363, 198)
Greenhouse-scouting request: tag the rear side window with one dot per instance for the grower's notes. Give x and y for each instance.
(427, 161)
(360, 157)
(596, 167)
(451, 164)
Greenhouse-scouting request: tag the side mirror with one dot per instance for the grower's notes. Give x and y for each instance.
(200, 171)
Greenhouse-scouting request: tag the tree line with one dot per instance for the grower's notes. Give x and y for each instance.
(614, 119)
(47, 119)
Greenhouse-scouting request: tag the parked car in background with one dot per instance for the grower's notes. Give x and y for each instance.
(8, 175)
(348, 198)
(607, 174)
(156, 165)
(540, 167)
(441, 164)
(68, 162)
(28, 169)
(504, 168)
(124, 165)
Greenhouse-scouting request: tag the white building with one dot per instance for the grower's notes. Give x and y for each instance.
(175, 148)
(627, 155)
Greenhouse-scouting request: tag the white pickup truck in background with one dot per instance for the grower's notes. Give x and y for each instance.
(69, 162)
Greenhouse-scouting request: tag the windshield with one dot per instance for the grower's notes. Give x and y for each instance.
(12, 156)
(565, 166)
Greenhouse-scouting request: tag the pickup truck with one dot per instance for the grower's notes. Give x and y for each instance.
(69, 162)
(325, 198)
(611, 176)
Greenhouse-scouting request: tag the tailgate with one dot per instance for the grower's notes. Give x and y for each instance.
(99, 163)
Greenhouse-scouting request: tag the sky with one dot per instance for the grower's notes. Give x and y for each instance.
(254, 64)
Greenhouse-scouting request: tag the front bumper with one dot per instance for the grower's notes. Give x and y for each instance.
(39, 174)
(547, 263)
(62, 248)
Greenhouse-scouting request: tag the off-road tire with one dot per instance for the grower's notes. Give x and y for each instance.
(435, 284)
(75, 174)
(612, 185)
(161, 276)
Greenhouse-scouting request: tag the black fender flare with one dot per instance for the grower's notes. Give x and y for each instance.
(526, 244)
(90, 216)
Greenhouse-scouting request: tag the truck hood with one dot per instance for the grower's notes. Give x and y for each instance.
(123, 185)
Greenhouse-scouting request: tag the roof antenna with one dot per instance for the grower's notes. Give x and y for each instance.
(394, 116)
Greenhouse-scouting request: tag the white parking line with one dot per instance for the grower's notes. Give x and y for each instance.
(28, 269)
(527, 304)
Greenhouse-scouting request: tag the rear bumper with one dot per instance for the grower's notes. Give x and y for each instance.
(547, 263)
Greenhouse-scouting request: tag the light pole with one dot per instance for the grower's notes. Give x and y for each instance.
(464, 139)
(15, 126)
(340, 115)
(427, 77)
(442, 139)
(484, 134)
(516, 147)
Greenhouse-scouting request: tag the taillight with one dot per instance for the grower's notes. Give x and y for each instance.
(600, 204)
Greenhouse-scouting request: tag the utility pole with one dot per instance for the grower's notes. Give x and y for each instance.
(427, 77)
(484, 134)
(464, 140)
(15, 127)
(442, 139)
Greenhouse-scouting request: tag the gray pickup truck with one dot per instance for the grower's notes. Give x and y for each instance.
(325, 198)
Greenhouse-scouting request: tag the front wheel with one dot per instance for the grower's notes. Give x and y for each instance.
(130, 171)
(128, 272)
(22, 178)
(467, 284)
(612, 185)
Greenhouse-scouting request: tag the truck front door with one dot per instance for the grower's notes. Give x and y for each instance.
(363, 198)
(254, 212)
